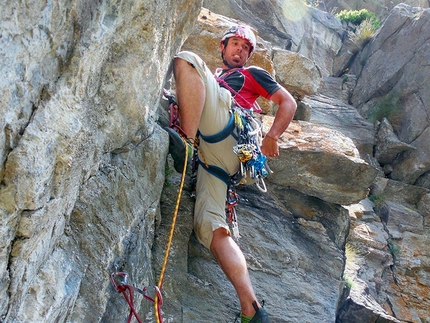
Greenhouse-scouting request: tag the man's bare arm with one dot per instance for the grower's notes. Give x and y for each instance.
(283, 117)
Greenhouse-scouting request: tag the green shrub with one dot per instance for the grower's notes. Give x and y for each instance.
(394, 248)
(362, 35)
(378, 200)
(349, 282)
(366, 25)
(345, 79)
(356, 17)
(390, 108)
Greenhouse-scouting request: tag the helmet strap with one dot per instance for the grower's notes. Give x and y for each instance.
(225, 62)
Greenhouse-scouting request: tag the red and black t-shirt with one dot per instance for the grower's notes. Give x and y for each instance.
(247, 84)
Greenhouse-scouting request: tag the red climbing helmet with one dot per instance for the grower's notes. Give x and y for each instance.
(241, 31)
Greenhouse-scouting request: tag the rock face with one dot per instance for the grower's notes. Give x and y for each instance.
(387, 145)
(332, 113)
(296, 73)
(393, 81)
(85, 189)
(283, 255)
(381, 248)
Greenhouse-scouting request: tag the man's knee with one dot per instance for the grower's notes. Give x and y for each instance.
(218, 234)
(182, 65)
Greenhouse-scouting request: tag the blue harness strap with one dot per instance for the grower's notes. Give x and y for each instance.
(223, 134)
(218, 172)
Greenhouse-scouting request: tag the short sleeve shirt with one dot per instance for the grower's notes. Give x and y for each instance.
(248, 84)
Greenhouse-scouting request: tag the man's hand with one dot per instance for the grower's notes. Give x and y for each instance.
(269, 147)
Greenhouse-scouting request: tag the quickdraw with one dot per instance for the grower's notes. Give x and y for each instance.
(232, 200)
(253, 162)
(127, 291)
(174, 113)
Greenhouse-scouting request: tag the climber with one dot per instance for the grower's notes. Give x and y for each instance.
(205, 101)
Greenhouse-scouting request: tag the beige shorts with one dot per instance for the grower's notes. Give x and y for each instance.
(209, 212)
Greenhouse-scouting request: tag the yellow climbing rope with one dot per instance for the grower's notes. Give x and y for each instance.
(169, 241)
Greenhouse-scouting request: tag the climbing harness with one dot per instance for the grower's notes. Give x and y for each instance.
(123, 287)
(246, 129)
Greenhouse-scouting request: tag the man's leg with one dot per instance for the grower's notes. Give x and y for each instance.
(190, 93)
(233, 263)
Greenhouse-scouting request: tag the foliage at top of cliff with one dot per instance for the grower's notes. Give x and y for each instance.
(356, 17)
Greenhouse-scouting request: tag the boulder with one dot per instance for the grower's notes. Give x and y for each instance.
(299, 75)
(337, 115)
(320, 162)
(411, 165)
(387, 145)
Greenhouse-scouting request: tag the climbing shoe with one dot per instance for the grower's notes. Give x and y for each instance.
(176, 149)
(260, 315)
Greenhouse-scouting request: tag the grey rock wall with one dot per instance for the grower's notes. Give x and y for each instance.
(393, 82)
(81, 173)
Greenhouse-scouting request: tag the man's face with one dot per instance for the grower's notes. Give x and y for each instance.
(236, 53)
